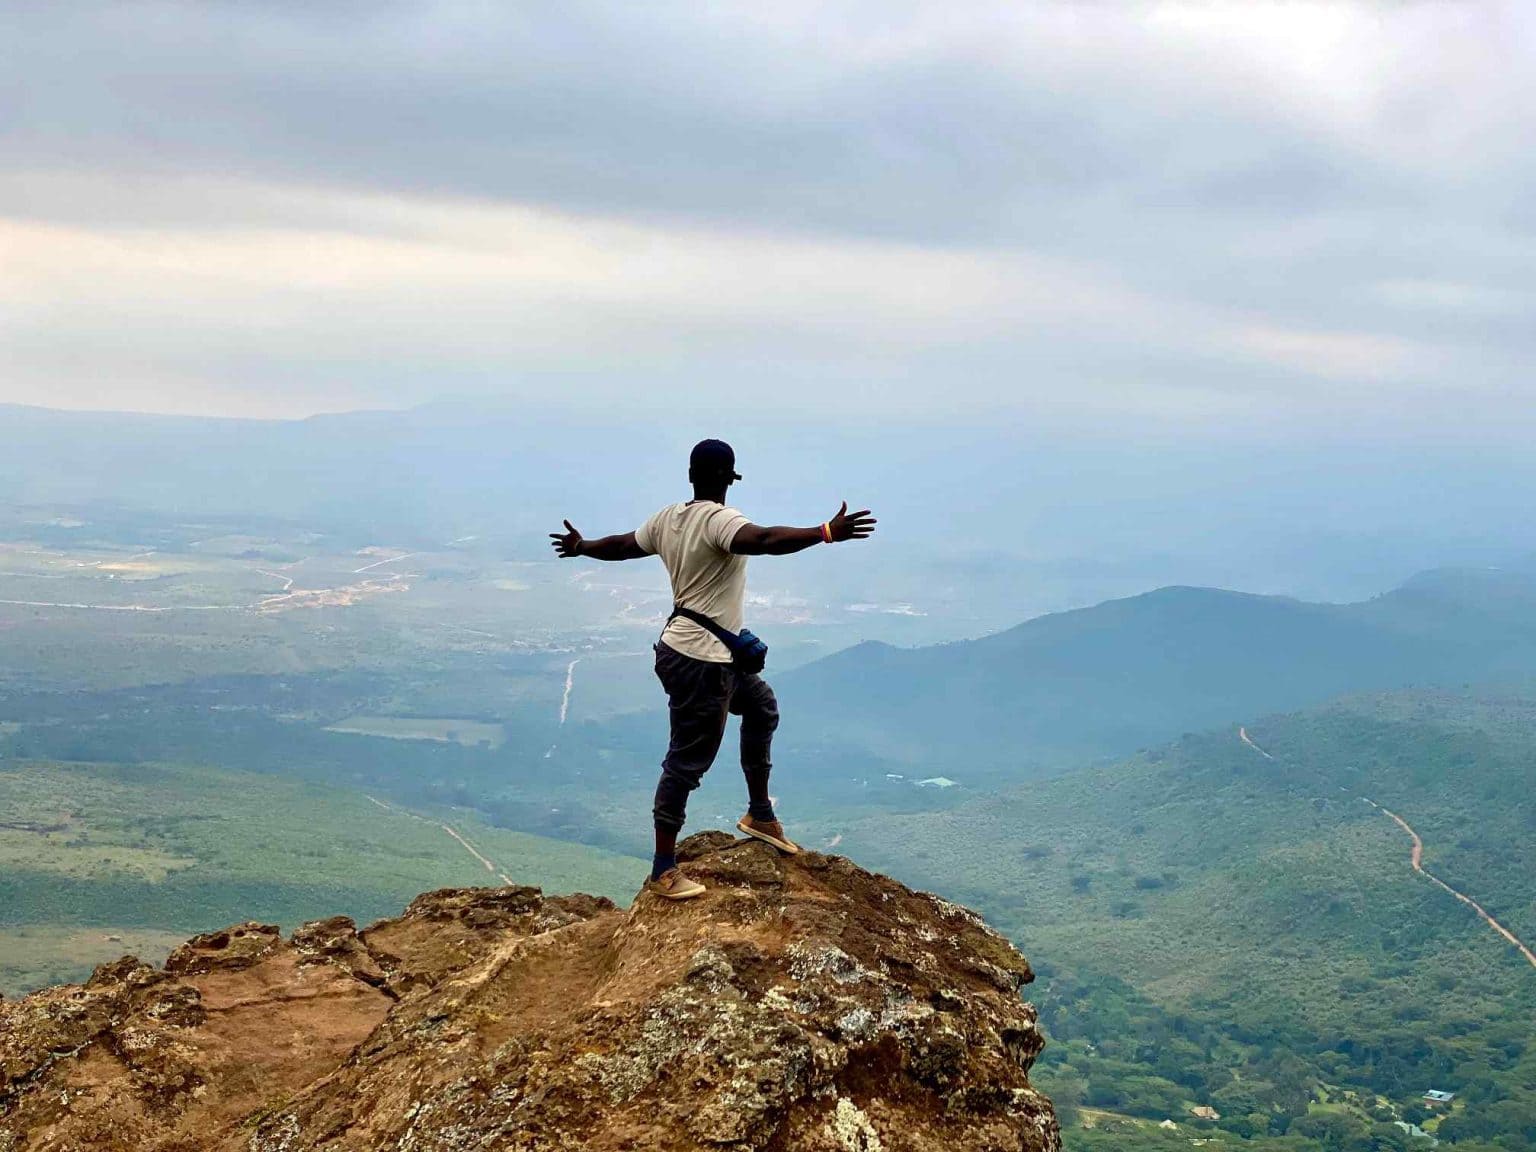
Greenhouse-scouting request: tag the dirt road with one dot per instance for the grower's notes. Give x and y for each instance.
(1417, 860)
(381, 563)
(1242, 734)
(448, 828)
(570, 682)
(287, 580)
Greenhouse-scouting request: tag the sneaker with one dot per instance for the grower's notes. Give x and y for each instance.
(673, 885)
(769, 832)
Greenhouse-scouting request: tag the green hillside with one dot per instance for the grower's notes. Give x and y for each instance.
(149, 854)
(1217, 927)
(1131, 673)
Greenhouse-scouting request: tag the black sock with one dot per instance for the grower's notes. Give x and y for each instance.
(759, 807)
(660, 864)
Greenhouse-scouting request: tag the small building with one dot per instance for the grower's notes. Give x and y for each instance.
(1169, 1125)
(1436, 1098)
(1205, 1112)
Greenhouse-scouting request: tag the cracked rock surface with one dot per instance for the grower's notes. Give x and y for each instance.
(802, 1005)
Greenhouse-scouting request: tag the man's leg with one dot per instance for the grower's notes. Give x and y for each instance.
(754, 702)
(698, 693)
(758, 708)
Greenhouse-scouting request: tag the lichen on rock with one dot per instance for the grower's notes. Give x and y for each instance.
(802, 1005)
(852, 1129)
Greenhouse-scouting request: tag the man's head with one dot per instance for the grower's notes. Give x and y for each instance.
(712, 465)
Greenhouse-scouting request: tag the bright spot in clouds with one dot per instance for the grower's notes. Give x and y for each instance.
(1181, 215)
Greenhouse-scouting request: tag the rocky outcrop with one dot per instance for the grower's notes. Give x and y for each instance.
(802, 1004)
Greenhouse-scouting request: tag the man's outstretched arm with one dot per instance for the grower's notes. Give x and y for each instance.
(569, 544)
(755, 540)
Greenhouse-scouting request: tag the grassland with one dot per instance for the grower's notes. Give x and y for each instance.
(151, 852)
(44, 954)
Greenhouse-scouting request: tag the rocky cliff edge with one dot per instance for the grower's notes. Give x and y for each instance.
(802, 1005)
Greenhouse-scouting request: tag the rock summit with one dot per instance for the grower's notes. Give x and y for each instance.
(802, 1005)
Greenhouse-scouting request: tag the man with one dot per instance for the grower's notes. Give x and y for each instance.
(704, 545)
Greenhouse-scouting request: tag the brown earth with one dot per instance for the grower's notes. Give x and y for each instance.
(802, 1005)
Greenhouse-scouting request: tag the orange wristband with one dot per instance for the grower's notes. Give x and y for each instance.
(826, 532)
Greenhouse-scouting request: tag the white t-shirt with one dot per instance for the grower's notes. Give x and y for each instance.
(694, 542)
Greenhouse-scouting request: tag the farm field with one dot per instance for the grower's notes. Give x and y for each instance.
(97, 603)
(447, 729)
(153, 853)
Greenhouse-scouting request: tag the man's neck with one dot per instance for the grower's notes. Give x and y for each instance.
(713, 496)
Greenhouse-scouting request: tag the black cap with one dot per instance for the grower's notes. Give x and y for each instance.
(711, 458)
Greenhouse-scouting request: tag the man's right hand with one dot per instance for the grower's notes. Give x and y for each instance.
(851, 525)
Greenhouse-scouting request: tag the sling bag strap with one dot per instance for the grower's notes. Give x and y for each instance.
(748, 653)
(724, 635)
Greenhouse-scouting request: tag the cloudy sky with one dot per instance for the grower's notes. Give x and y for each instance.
(1213, 219)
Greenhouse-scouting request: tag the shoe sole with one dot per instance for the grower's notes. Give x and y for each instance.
(678, 896)
(782, 845)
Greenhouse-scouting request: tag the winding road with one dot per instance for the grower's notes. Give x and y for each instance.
(1416, 859)
(287, 580)
(1242, 734)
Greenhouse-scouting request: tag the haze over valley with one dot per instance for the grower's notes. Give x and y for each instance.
(192, 699)
(1181, 352)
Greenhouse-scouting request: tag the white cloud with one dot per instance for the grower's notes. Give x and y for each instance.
(1175, 213)
(500, 286)
(1447, 296)
(1336, 356)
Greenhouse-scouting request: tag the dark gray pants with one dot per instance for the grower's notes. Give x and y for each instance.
(699, 696)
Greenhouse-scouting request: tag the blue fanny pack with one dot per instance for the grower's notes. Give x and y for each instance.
(748, 653)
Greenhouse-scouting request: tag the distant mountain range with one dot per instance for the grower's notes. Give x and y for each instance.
(1130, 673)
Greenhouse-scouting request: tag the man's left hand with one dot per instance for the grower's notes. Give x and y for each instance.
(568, 544)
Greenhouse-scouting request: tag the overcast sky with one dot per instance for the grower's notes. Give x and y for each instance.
(1208, 219)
